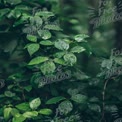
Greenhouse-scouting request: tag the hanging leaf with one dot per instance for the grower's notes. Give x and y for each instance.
(46, 43)
(107, 64)
(44, 14)
(32, 38)
(48, 67)
(32, 48)
(40, 32)
(65, 107)
(59, 54)
(30, 114)
(18, 118)
(77, 49)
(70, 58)
(28, 88)
(55, 100)
(14, 112)
(4, 11)
(7, 113)
(81, 37)
(45, 111)
(38, 21)
(9, 94)
(38, 60)
(80, 75)
(61, 45)
(23, 106)
(34, 104)
(46, 34)
(118, 60)
(59, 61)
(72, 91)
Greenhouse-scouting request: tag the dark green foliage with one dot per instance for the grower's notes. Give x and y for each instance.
(40, 76)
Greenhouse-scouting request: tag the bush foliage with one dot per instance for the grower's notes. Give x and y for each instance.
(40, 68)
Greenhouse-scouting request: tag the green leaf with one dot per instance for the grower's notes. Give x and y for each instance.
(48, 67)
(107, 64)
(28, 88)
(81, 75)
(79, 98)
(18, 118)
(7, 113)
(61, 45)
(11, 46)
(52, 27)
(70, 58)
(9, 94)
(118, 60)
(11, 14)
(38, 60)
(25, 16)
(46, 34)
(38, 21)
(55, 100)
(46, 43)
(59, 61)
(30, 114)
(44, 14)
(34, 104)
(45, 111)
(3, 12)
(14, 112)
(59, 54)
(23, 106)
(65, 107)
(32, 48)
(73, 91)
(77, 49)
(40, 33)
(17, 14)
(32, 38)
(81, 37)
(94, 107)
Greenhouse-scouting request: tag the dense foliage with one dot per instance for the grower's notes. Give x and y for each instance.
(43, 69)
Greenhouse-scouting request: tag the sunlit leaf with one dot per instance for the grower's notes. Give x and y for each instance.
(32, 48)
(70, 58)
(45, 111)
(7, 113)
(61, 45)
(81, 37)
(77, 49)
(30, 114)
(38, 60)
(46, 43)
(32, 38)
(48, 67)
(34, 104)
